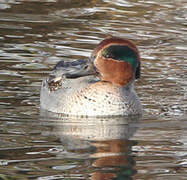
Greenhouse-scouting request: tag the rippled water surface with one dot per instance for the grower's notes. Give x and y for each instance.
(35, 35)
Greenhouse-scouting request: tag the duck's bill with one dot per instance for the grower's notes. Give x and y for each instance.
(83, 69)
(73, 69)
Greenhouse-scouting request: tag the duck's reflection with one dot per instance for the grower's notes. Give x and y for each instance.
(104, 143)
(114, 158)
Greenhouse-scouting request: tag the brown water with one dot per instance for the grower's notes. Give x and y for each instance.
(34, 35)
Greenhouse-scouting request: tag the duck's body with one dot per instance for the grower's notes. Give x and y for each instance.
(91, 99)
(102, 86)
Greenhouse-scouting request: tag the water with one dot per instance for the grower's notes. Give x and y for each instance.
(35, 35)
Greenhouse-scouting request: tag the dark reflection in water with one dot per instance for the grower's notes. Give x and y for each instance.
(102, 143)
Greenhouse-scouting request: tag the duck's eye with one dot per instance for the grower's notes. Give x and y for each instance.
(108, 54)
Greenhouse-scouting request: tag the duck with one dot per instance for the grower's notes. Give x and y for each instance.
(102, 85)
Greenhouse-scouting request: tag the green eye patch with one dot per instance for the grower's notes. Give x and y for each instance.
(121, 53)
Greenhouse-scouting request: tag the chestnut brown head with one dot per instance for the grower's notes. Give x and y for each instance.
(117, 60)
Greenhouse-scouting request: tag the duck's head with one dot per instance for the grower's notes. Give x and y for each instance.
(117, 61)
(114, 60)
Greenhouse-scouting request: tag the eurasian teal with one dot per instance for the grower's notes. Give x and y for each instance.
(99, 86)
